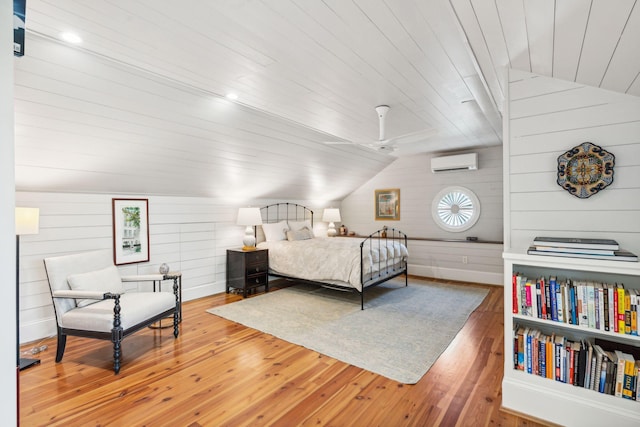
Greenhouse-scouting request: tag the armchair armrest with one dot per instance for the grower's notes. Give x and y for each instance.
(142, 278)
(63, 293)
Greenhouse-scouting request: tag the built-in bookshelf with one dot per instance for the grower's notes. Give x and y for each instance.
(545, 396)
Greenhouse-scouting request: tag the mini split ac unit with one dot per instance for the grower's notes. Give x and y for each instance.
(456, 162)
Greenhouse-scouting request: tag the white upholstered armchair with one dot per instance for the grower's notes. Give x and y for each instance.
(90, 301)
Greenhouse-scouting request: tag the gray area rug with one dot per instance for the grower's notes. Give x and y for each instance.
(400, 333)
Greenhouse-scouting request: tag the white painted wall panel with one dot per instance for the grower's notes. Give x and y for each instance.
(549, 117)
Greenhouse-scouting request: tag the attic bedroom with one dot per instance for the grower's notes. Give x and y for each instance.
(197, 112)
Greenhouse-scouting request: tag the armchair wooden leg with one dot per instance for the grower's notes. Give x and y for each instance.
(117, 340)
(116, 334)
(62, 342)
(176, 320)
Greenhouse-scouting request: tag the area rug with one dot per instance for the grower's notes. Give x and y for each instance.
(399, 335)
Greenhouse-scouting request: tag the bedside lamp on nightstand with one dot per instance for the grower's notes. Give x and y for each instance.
(249, 217)
(331, 215)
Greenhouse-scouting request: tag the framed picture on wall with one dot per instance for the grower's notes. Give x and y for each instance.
(130, 230)
(387, 204)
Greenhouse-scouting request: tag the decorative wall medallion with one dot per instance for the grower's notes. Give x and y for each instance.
(585, 169)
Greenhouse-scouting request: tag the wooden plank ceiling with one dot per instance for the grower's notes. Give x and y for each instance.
(139, 106)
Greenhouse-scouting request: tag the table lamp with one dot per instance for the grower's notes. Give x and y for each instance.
(331, 215)
(249, 217)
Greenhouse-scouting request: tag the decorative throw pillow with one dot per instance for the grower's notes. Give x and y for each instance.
(275, 231)
(302, 234)
(105, 280)
(298, 225)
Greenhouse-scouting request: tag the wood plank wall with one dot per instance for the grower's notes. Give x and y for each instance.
(545, 118)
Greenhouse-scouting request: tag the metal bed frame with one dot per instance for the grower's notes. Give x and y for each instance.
(387, 269)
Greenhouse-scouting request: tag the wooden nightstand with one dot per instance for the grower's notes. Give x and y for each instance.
(247, 270)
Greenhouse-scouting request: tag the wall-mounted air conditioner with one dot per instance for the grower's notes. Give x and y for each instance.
(456, 162)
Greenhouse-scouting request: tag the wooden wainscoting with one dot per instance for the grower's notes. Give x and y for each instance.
(219, 373)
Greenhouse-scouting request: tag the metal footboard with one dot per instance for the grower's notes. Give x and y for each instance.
(382, 269)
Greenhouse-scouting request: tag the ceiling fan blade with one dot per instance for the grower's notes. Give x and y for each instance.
(408, 138)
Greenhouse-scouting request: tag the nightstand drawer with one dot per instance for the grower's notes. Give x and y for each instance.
(257, 268)
(256, 280)
(257, 257)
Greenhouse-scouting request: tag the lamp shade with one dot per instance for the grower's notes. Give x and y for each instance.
(331, 215)
(27, 221)
(249, 216)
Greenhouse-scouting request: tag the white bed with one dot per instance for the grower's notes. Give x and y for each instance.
(350, 263)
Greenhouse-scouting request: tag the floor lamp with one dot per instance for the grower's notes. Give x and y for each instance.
(27, 222)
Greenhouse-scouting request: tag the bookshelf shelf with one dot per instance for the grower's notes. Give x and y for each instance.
(579, 330)
(552, 400)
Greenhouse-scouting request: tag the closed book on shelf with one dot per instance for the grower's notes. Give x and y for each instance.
(572, 242)
(582, 365)
(619, 255)
(574, 250)
(634, 311)
(629, 383)
(514, 293)
(621, 310)
(554, 298)
(620, 360)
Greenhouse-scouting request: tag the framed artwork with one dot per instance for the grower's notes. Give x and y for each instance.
(130, 230)
(387, 204)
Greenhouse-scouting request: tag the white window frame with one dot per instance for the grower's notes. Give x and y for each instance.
(452, 216)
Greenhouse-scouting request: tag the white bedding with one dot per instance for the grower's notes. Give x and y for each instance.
(330, 259)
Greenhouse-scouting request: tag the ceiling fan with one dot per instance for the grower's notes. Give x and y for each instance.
(383, 144)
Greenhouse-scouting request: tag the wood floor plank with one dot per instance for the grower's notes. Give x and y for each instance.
(220, 373)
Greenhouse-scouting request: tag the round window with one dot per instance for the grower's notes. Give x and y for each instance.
(455, 209)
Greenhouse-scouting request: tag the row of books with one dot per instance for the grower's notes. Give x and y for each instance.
(603, 306)
(605, 249)
(579, 363)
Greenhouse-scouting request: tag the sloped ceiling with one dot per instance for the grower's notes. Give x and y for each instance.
(139, 106)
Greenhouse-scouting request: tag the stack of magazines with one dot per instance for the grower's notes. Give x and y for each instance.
(580, 248)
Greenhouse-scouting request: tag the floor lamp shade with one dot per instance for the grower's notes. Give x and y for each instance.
(331, 215)
(249, 217)
(27, 222)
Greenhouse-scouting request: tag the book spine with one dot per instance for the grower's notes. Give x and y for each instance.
(554, 304)
(547, 298)
(573, 319)
(634, 312)
(620, 310)
(514, 293)
(591, 307)
(627, 312)
(615, 309)
(628, 387)
(605, 307)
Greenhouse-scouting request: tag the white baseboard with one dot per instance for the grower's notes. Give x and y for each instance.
(456, 274)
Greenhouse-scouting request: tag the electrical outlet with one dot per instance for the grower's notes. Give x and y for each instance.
(465, 260)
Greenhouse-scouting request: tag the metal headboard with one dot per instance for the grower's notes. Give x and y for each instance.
(285, 211)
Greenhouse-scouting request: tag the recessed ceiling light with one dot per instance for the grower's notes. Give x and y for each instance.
(232, 96)
(71, 37)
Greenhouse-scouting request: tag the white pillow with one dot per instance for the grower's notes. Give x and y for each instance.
(302, 234)
(275, 231)
(299, 225)
(105, 280)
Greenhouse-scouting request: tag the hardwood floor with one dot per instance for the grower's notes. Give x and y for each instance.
(218, 373)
